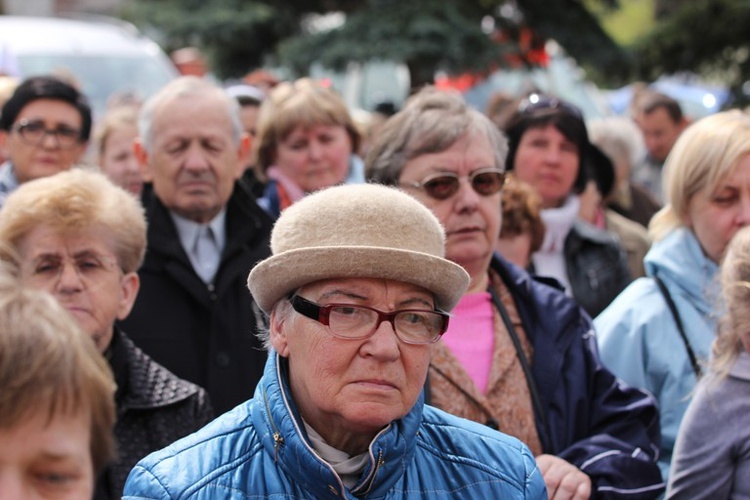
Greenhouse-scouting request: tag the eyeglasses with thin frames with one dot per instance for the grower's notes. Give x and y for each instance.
(47, 270)
(443, 185)
(34, 132)
(356, 322)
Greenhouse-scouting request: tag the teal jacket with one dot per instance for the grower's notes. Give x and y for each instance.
(260, 449)
(638, 337)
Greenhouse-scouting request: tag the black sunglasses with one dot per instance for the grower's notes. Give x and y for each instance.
(539, 102)
(441, 186)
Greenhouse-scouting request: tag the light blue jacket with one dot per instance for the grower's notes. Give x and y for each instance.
(260, 450)
(638, 337)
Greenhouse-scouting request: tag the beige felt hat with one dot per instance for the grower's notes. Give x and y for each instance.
(357, 231)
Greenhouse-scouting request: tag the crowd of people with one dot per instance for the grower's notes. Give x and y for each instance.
(226, 292)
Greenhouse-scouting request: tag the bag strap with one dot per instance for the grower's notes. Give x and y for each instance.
(525, 366)
(680, 328)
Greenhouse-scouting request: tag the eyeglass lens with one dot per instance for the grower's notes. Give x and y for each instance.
(88, 267)
(443, 186)
(34, 132)
(350, 321)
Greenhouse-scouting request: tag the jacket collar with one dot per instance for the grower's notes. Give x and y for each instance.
(678, 251)
(741, 367)
(276, 415)
(141, 382)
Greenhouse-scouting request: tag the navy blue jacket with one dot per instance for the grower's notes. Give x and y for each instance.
(590, 418)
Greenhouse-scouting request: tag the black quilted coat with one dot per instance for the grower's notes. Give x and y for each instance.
(154, 409)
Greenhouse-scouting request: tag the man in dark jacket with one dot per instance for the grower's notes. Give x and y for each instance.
(194, 313)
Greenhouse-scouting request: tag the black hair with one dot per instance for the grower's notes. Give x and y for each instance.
(565, 118)
(601, 170)
(46, 87)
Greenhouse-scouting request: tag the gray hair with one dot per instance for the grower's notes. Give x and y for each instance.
(618, 137)
(282, 309)
(431, 122)
(182, 87)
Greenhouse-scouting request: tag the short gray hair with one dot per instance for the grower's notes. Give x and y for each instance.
(281, 309)
(431, 122)
(181, 87)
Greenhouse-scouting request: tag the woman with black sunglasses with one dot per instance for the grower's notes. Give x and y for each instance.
(518, 355)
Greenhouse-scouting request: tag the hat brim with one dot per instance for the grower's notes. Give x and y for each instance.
(272, 279)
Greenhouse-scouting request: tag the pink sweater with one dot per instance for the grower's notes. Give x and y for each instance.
(470, 336)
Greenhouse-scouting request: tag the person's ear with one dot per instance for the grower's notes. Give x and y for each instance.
(277, 327)
(139, 150)
(130, 283)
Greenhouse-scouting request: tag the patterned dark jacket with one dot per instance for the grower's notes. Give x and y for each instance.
(154, 409)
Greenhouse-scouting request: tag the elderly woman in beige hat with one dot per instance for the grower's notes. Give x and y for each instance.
(358, 292)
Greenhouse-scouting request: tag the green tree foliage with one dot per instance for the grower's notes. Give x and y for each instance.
(447, 35)
(235, 34)
(429, 35)
(708, 37)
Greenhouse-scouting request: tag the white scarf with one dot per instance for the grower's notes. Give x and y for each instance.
(549, 260)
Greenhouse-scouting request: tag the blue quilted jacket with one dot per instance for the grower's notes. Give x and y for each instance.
(260, 449)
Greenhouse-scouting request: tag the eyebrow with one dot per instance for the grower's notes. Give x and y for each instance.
(354, 295)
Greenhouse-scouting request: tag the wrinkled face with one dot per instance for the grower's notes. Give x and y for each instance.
(194, 161)
(80, 269)
(47, 459)
(45, 157)
(715, 216)
(660, 132)
(549, 161)
(118, 161)
(471, 221)
(315, 158)
(347, 389)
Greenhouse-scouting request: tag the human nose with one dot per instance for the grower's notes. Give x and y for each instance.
(384, 342)
(467, 198)
(743, 216)
(195, 159)
(315, 149)
(552, 155)
(69, 278)
(50, 140)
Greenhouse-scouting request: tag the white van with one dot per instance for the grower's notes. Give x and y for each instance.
(105, 57)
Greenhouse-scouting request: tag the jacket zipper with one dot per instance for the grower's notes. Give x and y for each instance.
(278, 439)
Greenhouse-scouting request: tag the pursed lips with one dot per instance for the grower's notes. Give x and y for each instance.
(377, 383)
(464, 230)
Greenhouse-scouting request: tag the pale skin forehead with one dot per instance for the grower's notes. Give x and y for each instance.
(204, 113)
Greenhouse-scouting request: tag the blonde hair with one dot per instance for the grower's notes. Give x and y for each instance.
(115, 119)
(705, 153)
(734, 329)
(47, 364)
(303, 103)
(77, 199)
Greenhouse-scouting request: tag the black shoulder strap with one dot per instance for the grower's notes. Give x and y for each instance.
(680, 328)
(535, 399)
